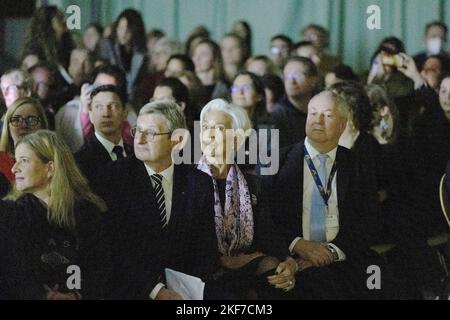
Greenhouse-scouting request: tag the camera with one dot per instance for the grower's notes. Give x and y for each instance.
(394, 60)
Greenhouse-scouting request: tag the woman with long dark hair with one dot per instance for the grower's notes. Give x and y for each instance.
(127, 47)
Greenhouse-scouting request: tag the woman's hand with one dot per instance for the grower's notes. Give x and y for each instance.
(409, 69)
(284, 277)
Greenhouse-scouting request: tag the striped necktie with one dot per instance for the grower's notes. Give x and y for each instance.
(160, 200)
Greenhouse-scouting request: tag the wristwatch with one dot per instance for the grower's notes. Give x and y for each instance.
(334, 252)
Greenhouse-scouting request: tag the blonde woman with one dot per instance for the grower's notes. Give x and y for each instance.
(50, 228)
(23, 117)
(254, 257)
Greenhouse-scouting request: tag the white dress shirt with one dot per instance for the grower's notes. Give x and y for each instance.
(109, 146)
(332, 217)
(167, 185)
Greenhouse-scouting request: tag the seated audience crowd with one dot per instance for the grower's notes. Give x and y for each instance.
(126, 153)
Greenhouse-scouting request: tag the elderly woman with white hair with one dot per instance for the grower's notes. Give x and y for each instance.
(254, 257)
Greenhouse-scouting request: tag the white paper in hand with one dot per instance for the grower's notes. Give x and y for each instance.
(189, 287)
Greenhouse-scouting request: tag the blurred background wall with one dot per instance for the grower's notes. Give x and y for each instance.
(345, 19)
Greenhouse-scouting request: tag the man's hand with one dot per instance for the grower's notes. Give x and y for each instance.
(303, 264)
(284, 277)
(236, 262)
(166, 294)
(315, 252)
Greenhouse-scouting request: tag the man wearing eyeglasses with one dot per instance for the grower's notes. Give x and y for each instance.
(300, 81)
(162, 214)
(15, 84)
(107, 113)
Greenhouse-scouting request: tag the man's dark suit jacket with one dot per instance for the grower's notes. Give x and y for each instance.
(141, 248)
(287, 198)
(93, 156)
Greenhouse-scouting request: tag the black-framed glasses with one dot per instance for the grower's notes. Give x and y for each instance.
(149, 135)
(30, 121)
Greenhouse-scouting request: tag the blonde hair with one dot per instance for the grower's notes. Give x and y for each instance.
(240, 121)
(67, 185)
(6, 142)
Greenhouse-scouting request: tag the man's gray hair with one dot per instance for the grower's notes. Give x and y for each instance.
(21, 77)
(169, 109)
(341, 102)
(239, 117)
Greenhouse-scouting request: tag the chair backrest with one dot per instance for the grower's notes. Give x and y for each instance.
(445, 201)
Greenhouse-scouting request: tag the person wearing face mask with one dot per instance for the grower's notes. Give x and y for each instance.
(435, 39)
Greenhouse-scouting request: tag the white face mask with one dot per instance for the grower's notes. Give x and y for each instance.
(434, 45)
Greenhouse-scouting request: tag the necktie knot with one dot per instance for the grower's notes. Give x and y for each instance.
(157, 178)
(118, 150)
(323, 159)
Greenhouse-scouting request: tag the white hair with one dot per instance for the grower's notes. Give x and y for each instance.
(239, 117)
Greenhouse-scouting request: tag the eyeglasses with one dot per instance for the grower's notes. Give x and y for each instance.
(16, 87)
(31, 121)
(296, 76)
(148, 135)
(244, 88)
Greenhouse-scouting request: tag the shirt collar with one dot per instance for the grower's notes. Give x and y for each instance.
(167, 173)
(109, 146)
(313, 152)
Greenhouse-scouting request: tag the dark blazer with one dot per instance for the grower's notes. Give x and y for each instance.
(141, 248)
(35, 253)
(267, 239)
(92, 156)
(110, 51)
(287, 196)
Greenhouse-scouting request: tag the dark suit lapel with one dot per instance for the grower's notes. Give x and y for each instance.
(343, 176)
(97, 149)
(129, 150)
(293, 175)
(179, 189)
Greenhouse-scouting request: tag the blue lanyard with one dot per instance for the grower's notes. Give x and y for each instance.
(325, 194)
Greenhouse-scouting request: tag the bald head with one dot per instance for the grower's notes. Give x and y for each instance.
(326, 120)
